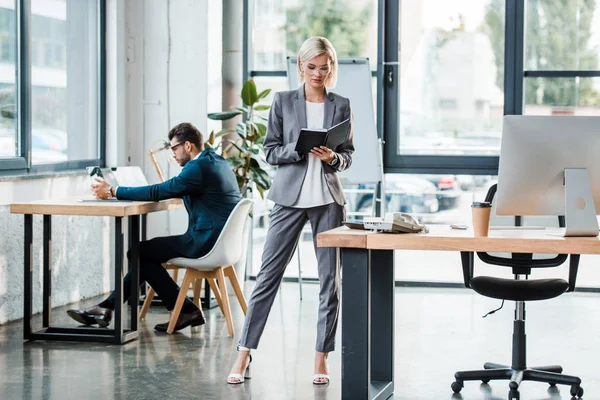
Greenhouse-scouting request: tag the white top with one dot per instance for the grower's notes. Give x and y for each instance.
(315, 191)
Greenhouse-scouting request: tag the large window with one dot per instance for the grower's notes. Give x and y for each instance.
(451, 77)
(54, 120)
(8, 99)
(278, 28)
(447, 72)
(562, 58)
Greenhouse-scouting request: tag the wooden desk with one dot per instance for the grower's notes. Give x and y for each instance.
(368, 289)
(121, 209)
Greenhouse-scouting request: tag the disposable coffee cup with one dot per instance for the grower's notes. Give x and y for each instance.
(481, 217)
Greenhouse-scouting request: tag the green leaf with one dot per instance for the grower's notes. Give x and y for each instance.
(261, 191)
(262, 117)
(222, 116)
(240, 109)
(211, 138)
(254, 128)
(241, 129)
(262, 107)
(235, 162)
(261, 177)
(263, 94)
(223, 132)
(241, 150)
(262, 129)
(249, 95)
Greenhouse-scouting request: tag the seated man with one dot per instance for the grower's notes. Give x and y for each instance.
(210, 192)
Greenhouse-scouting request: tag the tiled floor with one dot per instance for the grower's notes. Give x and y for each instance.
(438, 331)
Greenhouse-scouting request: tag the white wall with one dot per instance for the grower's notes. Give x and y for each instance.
(166, 84)
(156, 77)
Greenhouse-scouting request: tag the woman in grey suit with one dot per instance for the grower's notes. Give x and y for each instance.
(306, 187)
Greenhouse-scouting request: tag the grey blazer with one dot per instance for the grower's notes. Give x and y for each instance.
(286, 118)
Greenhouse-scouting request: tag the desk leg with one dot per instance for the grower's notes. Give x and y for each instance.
(144, 227)
(28, 281)
(356, 360)
(144, 231)
(119, 280)
(367, 324)
(47, 271)
(134, 268)
(382, 323)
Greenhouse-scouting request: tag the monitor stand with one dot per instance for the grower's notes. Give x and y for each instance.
(580, 211)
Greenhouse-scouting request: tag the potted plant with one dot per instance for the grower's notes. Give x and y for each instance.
(243, 147)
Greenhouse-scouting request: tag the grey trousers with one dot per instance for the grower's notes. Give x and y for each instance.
(282, 239)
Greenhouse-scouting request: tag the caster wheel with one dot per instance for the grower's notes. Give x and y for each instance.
(576, 391)
(553, 384)
(456, 386)
(485, 380)
(514, 395)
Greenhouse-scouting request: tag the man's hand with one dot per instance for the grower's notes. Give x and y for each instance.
(323, 153)
(101, 189)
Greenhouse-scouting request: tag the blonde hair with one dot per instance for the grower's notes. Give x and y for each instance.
(313, 47)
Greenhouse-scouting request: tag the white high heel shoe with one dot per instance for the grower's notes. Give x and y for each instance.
(321, 379)
(236, 379)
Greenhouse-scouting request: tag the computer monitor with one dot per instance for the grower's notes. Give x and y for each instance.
(550, 165)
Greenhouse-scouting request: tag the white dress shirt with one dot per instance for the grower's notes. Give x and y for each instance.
(315, 191)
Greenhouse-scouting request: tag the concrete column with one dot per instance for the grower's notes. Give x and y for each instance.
(233, 13)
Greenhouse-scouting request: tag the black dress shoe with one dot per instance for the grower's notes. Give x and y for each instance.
(185, 319)
(93, 315)
(81, 317)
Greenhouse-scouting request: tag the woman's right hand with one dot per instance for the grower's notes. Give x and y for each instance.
(323, 153)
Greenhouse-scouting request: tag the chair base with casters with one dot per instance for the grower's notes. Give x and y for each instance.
(519, 291)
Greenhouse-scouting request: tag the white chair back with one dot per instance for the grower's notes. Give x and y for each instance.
(229, 247)
(230, 243)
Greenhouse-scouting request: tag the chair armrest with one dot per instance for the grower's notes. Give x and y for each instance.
(468, 266)
(573, 267)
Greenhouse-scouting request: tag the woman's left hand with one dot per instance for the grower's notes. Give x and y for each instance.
(323, 153)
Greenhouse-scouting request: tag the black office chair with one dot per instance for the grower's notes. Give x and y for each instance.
(520, 291)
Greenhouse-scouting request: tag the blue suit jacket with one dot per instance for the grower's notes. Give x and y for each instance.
(210, 192)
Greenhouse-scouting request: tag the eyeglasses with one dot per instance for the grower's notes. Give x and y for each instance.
(172, 148)
(313, 70)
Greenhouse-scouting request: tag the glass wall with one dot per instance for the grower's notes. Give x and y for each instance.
(64, 75)
(65, 80)
(9, 139)
(451, 77)
(278, 28)
(456, 78)
(562, 58)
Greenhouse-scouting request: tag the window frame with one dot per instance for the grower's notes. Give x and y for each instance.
(22, 163)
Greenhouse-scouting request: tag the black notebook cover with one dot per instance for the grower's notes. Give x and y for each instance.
(331, 137)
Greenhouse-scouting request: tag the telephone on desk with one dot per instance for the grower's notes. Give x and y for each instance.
(397, 222)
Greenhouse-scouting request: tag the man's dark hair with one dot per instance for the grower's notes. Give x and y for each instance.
(186, 132)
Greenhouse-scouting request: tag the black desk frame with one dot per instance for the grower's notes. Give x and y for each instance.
(367, 324)
(118, 335)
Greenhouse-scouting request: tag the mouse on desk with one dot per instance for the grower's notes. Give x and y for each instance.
(458, 226)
